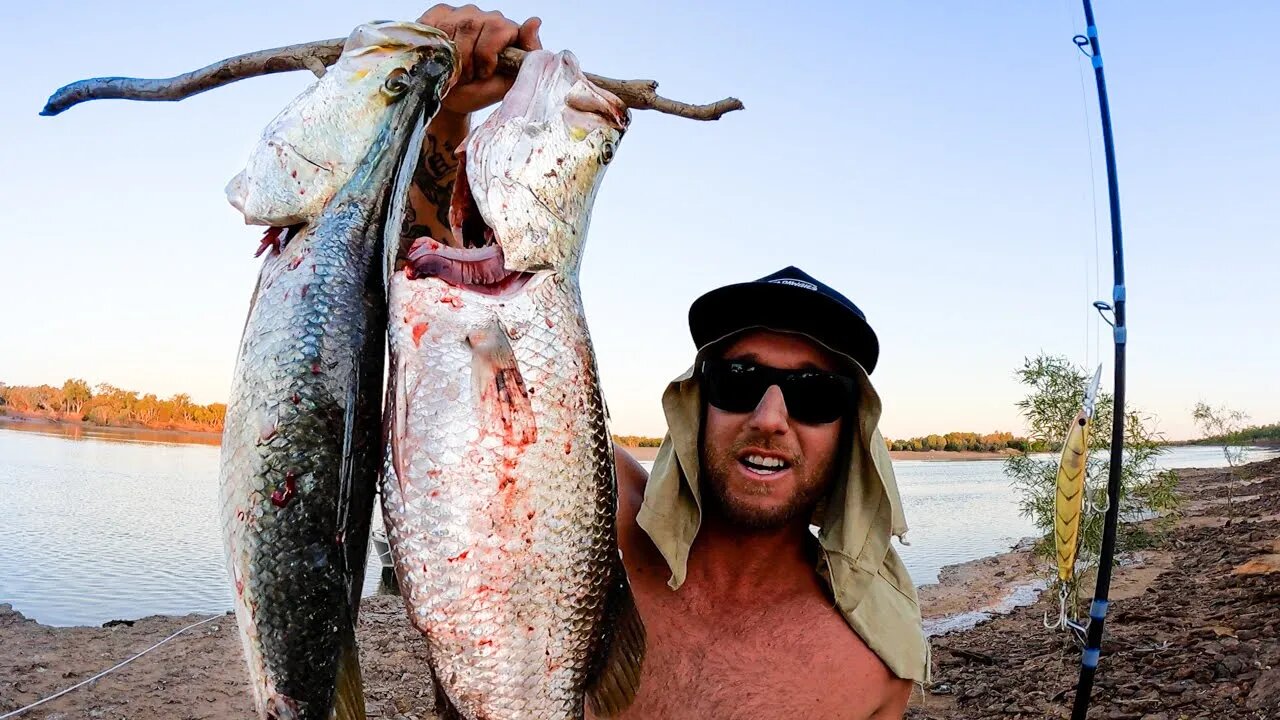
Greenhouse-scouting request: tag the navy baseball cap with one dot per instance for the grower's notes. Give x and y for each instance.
(788, 300)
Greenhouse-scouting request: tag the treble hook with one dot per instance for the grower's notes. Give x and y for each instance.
(1093, 506)
(1062, 620)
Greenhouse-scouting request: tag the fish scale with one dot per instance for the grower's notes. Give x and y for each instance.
(467, 544)
(302, 439)
(499, 492)
(283, 460)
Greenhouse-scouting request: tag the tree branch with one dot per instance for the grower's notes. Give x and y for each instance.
(314, 56)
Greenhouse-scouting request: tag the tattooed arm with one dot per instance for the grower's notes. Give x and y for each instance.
(479, 36)
(428, 211)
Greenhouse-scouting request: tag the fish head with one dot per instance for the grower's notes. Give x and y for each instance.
(529, 173)
(318, 142)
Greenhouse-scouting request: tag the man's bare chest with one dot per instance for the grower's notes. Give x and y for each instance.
(758, 664)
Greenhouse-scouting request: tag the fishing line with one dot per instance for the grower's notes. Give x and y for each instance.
(1091, 318)
(106, 672)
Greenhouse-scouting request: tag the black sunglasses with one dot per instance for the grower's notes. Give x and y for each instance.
(813, 397)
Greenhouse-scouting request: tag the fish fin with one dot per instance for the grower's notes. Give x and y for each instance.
(444, 707)
(617, 679)
(399, 413)
(500, 392)
(348, 691)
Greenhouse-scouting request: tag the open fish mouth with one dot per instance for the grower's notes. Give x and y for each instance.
(477, 264)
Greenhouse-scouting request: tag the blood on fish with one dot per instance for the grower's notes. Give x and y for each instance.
(315, 368)
(460, 556)
(282, 498)
(549, 323)
(305, 288)
(418, 330)
(296, 399)
(270, 239)
(568, 446)
(239, 586)
(295, 262)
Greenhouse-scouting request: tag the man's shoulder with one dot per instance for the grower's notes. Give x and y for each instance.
(632, 478)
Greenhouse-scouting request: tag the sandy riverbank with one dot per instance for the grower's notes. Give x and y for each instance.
(1193, 632)
(73, 429)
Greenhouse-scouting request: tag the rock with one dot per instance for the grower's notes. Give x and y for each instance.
(1228, 667)
(1266, 692)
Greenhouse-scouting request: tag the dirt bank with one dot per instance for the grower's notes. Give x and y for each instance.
(1193, 630)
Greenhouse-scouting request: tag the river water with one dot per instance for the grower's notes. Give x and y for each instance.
(105, 525)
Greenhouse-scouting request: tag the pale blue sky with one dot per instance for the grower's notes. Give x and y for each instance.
(929, 159)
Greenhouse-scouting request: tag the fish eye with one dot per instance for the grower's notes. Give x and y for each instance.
(396, 83)
(606, 152)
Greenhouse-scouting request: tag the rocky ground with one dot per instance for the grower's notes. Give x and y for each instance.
(1193, 630)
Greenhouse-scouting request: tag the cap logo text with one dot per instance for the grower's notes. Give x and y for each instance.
(797, 283)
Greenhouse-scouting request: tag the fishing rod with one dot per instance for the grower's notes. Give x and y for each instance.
(1098, 609)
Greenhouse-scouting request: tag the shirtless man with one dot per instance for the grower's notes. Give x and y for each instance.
(753, 632)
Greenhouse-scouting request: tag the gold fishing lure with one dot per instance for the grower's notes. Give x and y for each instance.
(1069, 498)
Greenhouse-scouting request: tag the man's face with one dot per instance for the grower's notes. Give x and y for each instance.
(739, 448)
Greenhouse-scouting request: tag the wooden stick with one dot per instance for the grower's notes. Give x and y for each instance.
(637, 94)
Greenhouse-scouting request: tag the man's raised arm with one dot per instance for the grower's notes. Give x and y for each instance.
(479, 36)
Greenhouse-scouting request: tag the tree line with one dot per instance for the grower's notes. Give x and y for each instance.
(637, 441)
(1251, 435)
(964, 441)
(105, 404)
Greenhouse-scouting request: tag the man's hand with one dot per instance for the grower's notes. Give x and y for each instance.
(480, 36)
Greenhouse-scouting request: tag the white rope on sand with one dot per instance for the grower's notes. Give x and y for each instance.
(106, 672)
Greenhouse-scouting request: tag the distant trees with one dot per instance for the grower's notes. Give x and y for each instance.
(1239, 435)
(961, 442)
(106, 404)
(637, 441)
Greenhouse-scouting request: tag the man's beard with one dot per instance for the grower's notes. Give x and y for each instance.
(814, 480)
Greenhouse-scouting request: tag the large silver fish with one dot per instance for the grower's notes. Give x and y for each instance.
(500, 490)
(302, 443)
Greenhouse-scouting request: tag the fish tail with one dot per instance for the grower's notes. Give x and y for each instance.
(348, 693)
